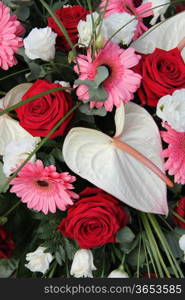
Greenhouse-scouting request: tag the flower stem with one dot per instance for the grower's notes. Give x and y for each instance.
(52, 270)
(172, 260)
(13, 74)
(177, 216)
(40, 145)
(154, 247)
(11, 209)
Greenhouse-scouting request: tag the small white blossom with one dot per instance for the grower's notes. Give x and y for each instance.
(64, 84)
(38, 261)
(17, 151)
(118, 273)
(117, 21)
(40, 43)
(171, 108)
(182, 244)
(85, 29)
(159, 11)
(82, 265)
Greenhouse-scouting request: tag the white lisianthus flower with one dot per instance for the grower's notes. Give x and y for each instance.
(118, 273)
(182, 244)
(171, 108)
(38, 261)
(40, 43)
(85, 29)
(159, 11)
(17, 151)
(115, 22)
(82, 265)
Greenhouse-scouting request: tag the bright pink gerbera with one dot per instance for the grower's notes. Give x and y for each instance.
(121, 6)
(121, 83)
(10, 42)
(175, 153)
(42, 188)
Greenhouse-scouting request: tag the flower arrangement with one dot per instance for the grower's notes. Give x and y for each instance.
(92, 138)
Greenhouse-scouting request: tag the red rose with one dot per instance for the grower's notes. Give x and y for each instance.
(70, 17)
(7, 246)
(180, 8)
(180, 210)
(163, 72)
(94, 219)
(39, 116)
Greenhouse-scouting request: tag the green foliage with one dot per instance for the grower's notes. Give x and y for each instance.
(2, 178)
(125, 235)
(7, 267)
(85, 109)
(96, 91)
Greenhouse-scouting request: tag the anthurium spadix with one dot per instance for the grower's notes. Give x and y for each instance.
(9, 128)
(165, 35)
(127, 166)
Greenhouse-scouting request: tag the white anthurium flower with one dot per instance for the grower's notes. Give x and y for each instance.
(85, 29)
(17, 151)
(166, 36)
(171, 108)
(38, 261)
(114, 22)
(182, 244)
(82, 265)
(159, 11)
(10, 130)
(130, 159)
(40, 43)
(118, 273)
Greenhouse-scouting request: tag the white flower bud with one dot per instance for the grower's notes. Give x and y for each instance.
(118, 273)
(38, 261)
(40, 43)
(82, 265)
(85, 29)
(171, 108)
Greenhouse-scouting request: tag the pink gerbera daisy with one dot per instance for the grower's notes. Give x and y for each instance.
(175, 153)
(42, 188)
(10, 42)
(121, 6)
(121, 83)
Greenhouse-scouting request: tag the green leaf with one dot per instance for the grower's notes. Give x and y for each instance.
(125, 235)
(173, 241)
(2, 179)
(102, 74)
(96, 91)
(7, 267)
(57, 154)
(85, 109)
(60, 255)
(23, 13)
(128, 247)
(133, 258)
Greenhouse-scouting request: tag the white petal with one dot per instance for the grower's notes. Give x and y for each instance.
(14, 95)
(93, 156)
(10, 130)
(165, 35)
(119, 119)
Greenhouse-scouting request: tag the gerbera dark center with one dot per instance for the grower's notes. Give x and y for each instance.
(42, 183)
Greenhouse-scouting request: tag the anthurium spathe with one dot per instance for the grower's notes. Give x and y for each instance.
(9, 128)
(166, 36)
(118, 165)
